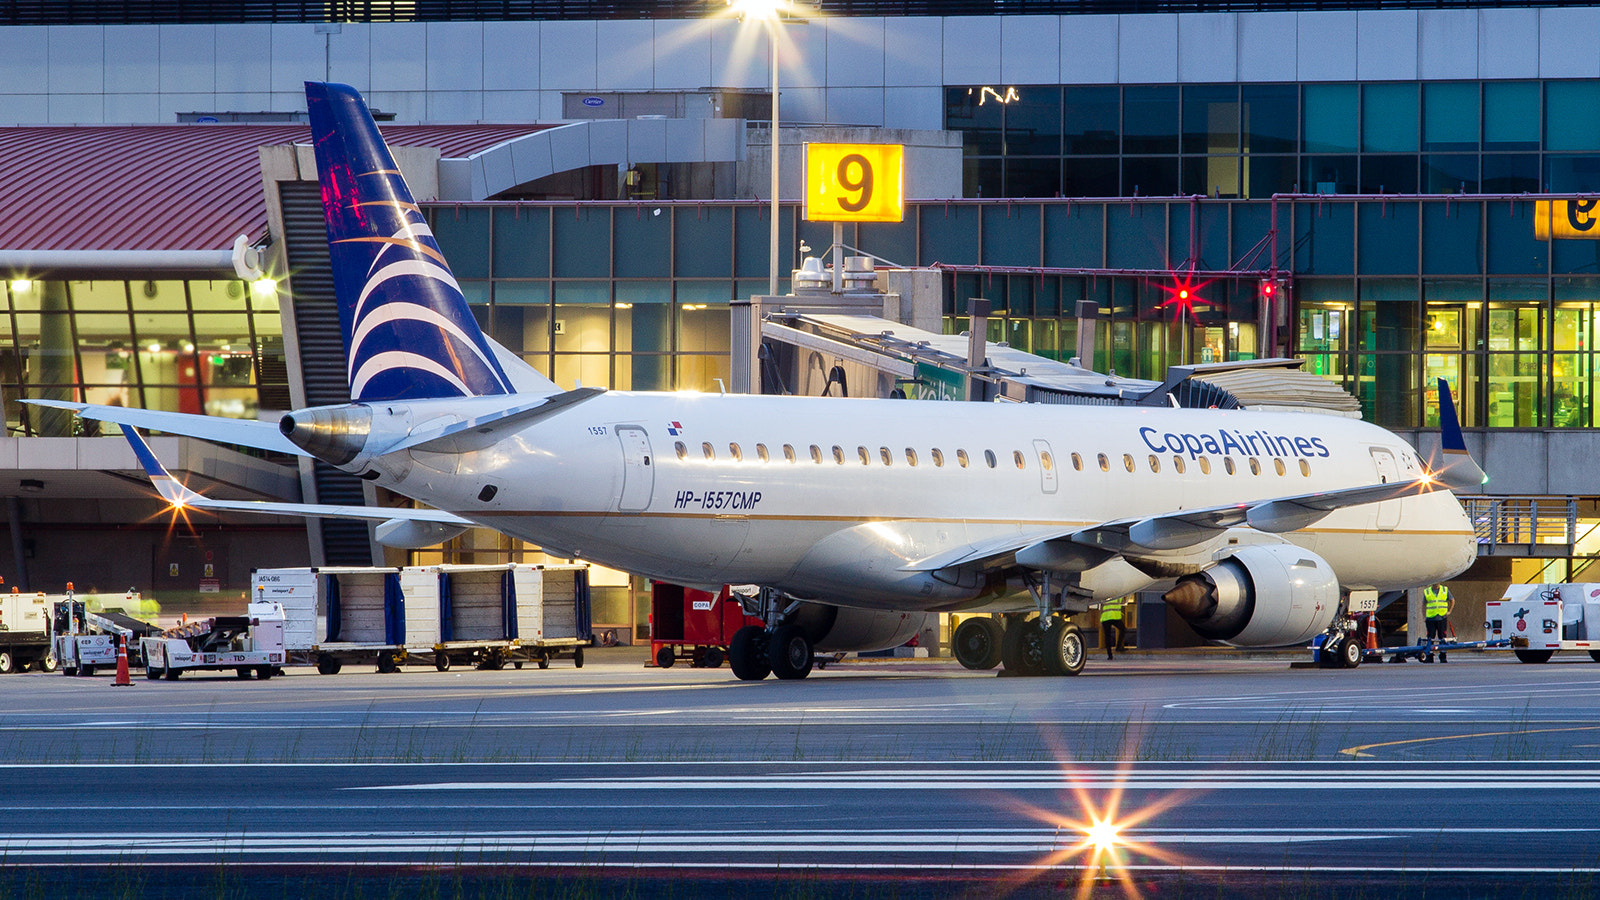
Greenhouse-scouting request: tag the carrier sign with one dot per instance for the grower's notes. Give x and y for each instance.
(855, 183)
(1567, 219)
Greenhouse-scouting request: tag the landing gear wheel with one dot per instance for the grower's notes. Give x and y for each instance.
(712, 658)
(1063, 649)
(977, 643)
(49, 663)
(790, 652)
(747, 654)
(8, 663)
(1350, 653)
(1022, 649)
(327, 665)
(665, 657)
(1535, 656)
(441, 661)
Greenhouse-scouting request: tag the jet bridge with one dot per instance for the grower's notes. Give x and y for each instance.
(814, 353)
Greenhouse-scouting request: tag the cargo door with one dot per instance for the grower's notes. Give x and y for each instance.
(1388, 473)
(1047, 466)
(638, 469)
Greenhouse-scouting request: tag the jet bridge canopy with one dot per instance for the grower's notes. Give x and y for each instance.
(831, 354)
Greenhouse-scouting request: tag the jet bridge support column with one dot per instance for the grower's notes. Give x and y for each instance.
(977, 344)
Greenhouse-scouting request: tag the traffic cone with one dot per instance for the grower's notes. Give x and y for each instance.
(122, 679)
(1372, 632)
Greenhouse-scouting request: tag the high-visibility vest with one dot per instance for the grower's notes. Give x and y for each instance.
(1111, 611)
(1436, 603)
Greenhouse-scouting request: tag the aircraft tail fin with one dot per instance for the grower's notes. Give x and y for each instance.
(408, 331)
(1455, 467)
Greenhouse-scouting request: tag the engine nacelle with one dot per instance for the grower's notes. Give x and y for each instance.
(1268, 595)
(837, 628)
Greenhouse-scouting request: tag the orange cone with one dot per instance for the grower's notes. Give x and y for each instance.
(1372, 632)
(122, 679)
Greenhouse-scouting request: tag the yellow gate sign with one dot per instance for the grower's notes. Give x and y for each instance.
(855, 183)
(1567, 219)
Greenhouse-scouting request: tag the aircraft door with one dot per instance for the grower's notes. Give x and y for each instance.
(1047, 466)
(1388, 472)
(638, 468)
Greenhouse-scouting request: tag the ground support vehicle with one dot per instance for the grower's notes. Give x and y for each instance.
(492, 616)
(693, 626)
(25, 632)
(247, 644)
(1539, 619)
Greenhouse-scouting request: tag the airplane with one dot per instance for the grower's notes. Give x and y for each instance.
(858, 517)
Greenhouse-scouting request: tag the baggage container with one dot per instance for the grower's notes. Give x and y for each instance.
(489, 616)
(692, 625)
(24, 632)
(353, 614)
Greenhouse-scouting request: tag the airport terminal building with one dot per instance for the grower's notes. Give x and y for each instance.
(1352, 185)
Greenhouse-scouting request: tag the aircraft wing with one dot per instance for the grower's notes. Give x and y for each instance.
(241, 432)
(181, 497)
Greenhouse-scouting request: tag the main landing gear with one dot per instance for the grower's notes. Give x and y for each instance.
(755, 652)
(1057, 648)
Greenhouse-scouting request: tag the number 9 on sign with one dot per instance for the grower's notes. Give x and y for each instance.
(854, 183)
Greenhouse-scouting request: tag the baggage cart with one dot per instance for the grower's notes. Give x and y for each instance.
(693, 626)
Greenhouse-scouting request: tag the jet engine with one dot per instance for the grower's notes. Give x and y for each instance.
(1269, 595)
(837, 628)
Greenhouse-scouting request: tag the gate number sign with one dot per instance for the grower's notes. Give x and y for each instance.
(1567, 219)
(854, 183)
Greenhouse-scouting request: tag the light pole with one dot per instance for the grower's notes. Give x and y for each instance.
(767, 11)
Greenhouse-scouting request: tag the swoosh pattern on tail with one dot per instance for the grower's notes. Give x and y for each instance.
(408, 331)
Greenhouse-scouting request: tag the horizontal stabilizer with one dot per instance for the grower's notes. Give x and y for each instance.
(239, 432)
(478, 433)
(175, 493)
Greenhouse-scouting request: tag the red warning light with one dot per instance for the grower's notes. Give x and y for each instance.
(1185, 296)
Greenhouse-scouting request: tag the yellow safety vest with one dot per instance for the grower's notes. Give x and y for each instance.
(1436, 604)
(1111, 611)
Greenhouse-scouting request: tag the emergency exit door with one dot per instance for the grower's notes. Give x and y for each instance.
(638, 468)
(1047, 466)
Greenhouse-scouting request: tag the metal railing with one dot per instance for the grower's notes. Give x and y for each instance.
(1524, 526)
(163, 12)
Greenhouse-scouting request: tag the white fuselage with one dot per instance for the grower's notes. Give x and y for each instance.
(626, 480)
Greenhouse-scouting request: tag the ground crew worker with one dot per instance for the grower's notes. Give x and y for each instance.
(1436, 603)
(1111, 627)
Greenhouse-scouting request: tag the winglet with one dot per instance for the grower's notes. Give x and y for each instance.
(169, 488)
(1457, 469)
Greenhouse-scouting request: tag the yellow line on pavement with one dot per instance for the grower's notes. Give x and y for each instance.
(1361, 749)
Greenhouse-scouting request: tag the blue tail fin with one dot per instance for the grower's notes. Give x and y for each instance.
(408, 332)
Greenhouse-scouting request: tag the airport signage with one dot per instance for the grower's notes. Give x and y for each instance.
(1567, 219)
(855, 183)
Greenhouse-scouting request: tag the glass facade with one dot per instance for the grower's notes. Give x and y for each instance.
(1254, 140)
(213, 347)
(1387, 295)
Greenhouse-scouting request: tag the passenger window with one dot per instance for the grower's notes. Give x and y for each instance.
(1205, 465)
(761, 452)
(838, 454)
(1227, 464)
(788, 453)
(1155, 463)
(683, 451)
(816, 454)
(938, 457)
(1016, 457)
(1305, 468)
(911, 457)
(988, 457)
(1105, 463)
(961, 458)
(866, 458)
(1127, 461)
(1177, 464)
(1255, 467)
(886, 456)
(1278, 464)
(734, 450)
(1077, 463)
(1045, 461)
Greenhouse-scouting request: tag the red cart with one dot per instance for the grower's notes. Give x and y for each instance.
(697, 626)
